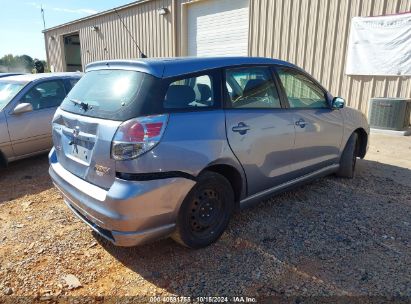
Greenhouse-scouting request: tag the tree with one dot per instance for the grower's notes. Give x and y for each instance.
(26, 60)
(7, 62)
(21, 64)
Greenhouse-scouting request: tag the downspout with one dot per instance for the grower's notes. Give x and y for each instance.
(46, 45)
(174, 5)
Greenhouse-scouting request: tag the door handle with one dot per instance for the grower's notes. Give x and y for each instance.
(241, 128)
(301, 122)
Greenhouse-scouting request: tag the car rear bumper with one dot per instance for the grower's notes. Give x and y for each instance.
(129, 213)
(120, 238)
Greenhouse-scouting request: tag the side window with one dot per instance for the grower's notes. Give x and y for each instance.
(301, 91)
(73, 82)
(190, 93)
(45, 95)
(251, 87)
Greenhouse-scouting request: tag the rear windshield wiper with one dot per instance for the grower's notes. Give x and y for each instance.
(81, 104)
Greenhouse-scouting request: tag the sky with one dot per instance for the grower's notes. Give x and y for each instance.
(21, 23)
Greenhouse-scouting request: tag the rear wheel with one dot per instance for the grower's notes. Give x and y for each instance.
(349, 158)
(3, 161)
(205, 212)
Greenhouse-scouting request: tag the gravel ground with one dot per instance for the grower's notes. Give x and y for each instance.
(332, 237)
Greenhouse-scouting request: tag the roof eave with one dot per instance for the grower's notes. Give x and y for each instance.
(113, 10)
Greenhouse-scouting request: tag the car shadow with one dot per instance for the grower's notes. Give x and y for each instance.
(24, 177)
(330, 237)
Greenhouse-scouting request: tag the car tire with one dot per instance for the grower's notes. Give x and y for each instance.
(205, 212)
(349, 158)
(3, 161)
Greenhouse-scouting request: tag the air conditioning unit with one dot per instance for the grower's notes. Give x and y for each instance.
(389, 113)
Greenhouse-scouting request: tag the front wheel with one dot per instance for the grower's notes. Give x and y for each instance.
(205, 212)
(349, 158)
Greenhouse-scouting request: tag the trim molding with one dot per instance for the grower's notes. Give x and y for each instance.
(287, 185)
(140, 177)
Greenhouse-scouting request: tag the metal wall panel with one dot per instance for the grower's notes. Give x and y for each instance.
(152, 32)
(310, 33)
(313, 34)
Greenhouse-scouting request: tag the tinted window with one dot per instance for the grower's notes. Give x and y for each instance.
(301, 91)
(7, 92)
(45, 95)
(189, 93)
(114, 94)
(252, 88)
(73, 82)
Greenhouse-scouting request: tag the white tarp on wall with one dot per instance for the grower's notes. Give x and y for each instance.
(380, 45)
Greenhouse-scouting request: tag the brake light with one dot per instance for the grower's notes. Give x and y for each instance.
(137, 136)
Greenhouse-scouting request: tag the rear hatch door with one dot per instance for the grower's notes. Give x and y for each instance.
(83, 147)
(86, 122)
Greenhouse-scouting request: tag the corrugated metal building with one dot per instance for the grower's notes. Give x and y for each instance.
(310, 33)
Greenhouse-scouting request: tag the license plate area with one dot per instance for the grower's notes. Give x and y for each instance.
(80, 151)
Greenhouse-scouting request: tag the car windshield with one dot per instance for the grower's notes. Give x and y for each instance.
(8, 90)
(111, 94)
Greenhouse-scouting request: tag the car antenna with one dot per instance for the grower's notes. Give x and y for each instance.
(142, 55)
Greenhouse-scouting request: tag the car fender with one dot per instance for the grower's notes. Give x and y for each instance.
(353, 119)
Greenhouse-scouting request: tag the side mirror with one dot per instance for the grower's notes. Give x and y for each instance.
(338, 103)
(23, 108)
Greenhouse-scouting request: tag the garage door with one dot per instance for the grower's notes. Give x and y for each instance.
(218, 28)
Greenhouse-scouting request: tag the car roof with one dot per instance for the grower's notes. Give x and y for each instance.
(33, 77)
(9, 74)
(171, 67)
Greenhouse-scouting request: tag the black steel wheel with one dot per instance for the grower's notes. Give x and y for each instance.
(205, 212)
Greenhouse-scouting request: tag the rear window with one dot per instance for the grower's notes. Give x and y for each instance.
(113, 94)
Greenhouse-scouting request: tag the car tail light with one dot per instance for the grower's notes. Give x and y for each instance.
(137, 136)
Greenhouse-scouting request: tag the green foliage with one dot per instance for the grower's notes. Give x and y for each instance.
(19, 64)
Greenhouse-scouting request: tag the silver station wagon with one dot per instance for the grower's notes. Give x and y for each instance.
(151, 148)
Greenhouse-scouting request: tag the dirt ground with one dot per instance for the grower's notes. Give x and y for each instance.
(332, 237)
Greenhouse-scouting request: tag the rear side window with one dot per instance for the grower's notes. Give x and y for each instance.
(114, 94)
(251, 87)
(73, 82)
(190, 93)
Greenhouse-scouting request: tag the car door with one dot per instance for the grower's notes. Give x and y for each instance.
(259, 132)
(319, 128)
(30, 132)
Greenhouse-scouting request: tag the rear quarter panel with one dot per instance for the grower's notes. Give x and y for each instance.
(192, 141)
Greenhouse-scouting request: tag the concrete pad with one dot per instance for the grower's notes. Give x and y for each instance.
(405, 132)
(390, 157)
